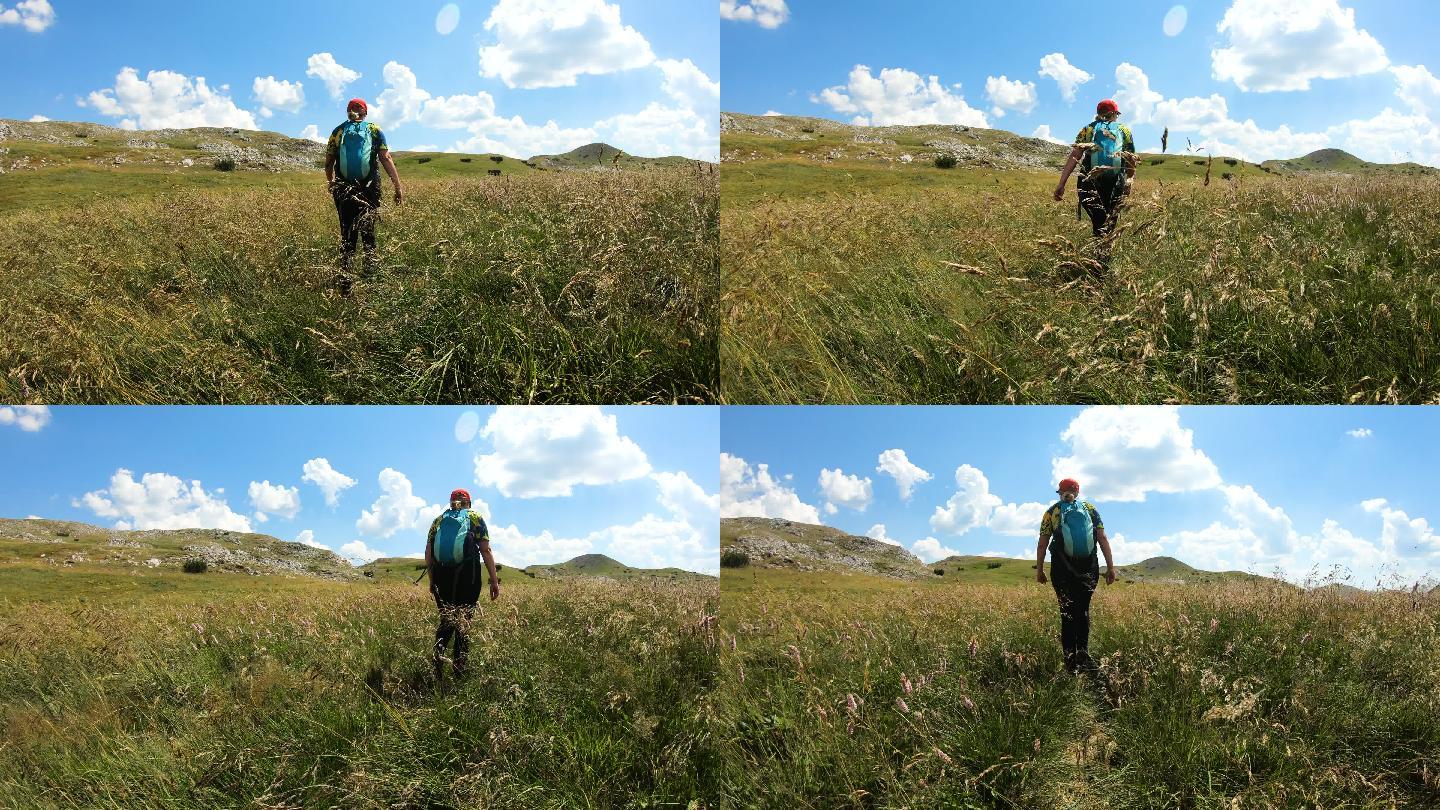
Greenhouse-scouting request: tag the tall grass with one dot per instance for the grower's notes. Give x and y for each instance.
(580, 695)
(1243, 695)
(553, 287)
(1295, 290)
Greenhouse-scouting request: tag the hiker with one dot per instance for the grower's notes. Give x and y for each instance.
(1105, 150)
(353, 155)
(458, 540)
(1070, 530)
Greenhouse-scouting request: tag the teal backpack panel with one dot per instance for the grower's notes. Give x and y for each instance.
(1077, 529)
(450, 536)
(356, 150)
(1109, 142)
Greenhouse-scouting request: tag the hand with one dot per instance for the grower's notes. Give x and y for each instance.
(1040, 575)
(1059, 194)
(1109, 576)
(399, 196)
(494, 589)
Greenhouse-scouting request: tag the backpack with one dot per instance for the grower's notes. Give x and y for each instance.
(1077, 529)
(1109, 140)
(454, 537)
(357, 150)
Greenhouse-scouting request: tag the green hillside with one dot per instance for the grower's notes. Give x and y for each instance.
(603, 156)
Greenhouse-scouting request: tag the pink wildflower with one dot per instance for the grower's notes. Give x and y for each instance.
(945, 758)
(900, 704)
(969, 704)
(1214, 623)
(850, 706)
(905, 682)
(974, 647)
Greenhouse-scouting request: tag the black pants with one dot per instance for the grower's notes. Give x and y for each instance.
(357, 204)
(456, 589)
(1100, 198)
(1074, 585)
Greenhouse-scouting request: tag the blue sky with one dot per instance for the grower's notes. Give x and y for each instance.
(635, 483)
(1257, 79)
(1262, 489)
(521, 77)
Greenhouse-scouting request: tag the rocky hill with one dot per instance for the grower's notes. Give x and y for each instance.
(777, 543)
(30, 146)
(64, 544)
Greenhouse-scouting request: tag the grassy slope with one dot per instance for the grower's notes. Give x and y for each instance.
(836, 287)
(1249, 693)
(163, 689)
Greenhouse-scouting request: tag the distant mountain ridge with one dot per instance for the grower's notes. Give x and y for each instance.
(788, 545)
(585, 565)
(34, 145)
(746, 138)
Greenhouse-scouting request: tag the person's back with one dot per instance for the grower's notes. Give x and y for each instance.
(1104, 150)
(457, 543)
(354, 154)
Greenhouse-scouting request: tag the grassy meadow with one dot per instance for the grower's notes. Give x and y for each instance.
(227, 690)
(856, 691)
(146, 284)
(859, 280)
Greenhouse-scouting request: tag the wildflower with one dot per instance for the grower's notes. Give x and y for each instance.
(974, 647)
(943, 756)
(969, 704)
(1214, 623)
(1037, 745)
(850, 706)
(900, 704)
(905, 682)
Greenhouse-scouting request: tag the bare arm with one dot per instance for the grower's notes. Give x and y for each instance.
(1040, 549)
(430, 555)
(490, 568)
(1105, 549)
(1070, 162)
(394, 175)
(329, 167)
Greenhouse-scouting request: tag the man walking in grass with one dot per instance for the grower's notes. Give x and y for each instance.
(353, 155)
(1071, 530)
(457, 542)
(1105, 151)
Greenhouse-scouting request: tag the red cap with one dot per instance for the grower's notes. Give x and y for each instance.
(359, 103)
(459, 494)
(1069, 483)
(1107, 106)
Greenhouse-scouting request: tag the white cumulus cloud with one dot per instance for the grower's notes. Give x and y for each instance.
(312, 133)
(1007, 94)
(764, 13)
(358, 553)
(1283, 44)
(1121, 453)
(1418, 88)
(1125, 551)
(969, 507)
(307, 537)
(896, 464)
(334, 75)
(166, 99)
(684, 498)
(546, 451)
(331, 481)
(548, 43)
(1017, 519)
(1067, 77)
(161, 501)
(274, 499)
(397, 509)
(930, 550)
(1043, 133)
(899, 96)
(753, 492)
(845, 490)
(32, 15)
(29, 418)
(278, 94)
(1360, 433)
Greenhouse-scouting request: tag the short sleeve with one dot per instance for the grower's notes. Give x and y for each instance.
(1047, 523)
(332, 146)
(1095, 515)
(1086, 135)
(482, 532)
(379, 138)
(1129, 140)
